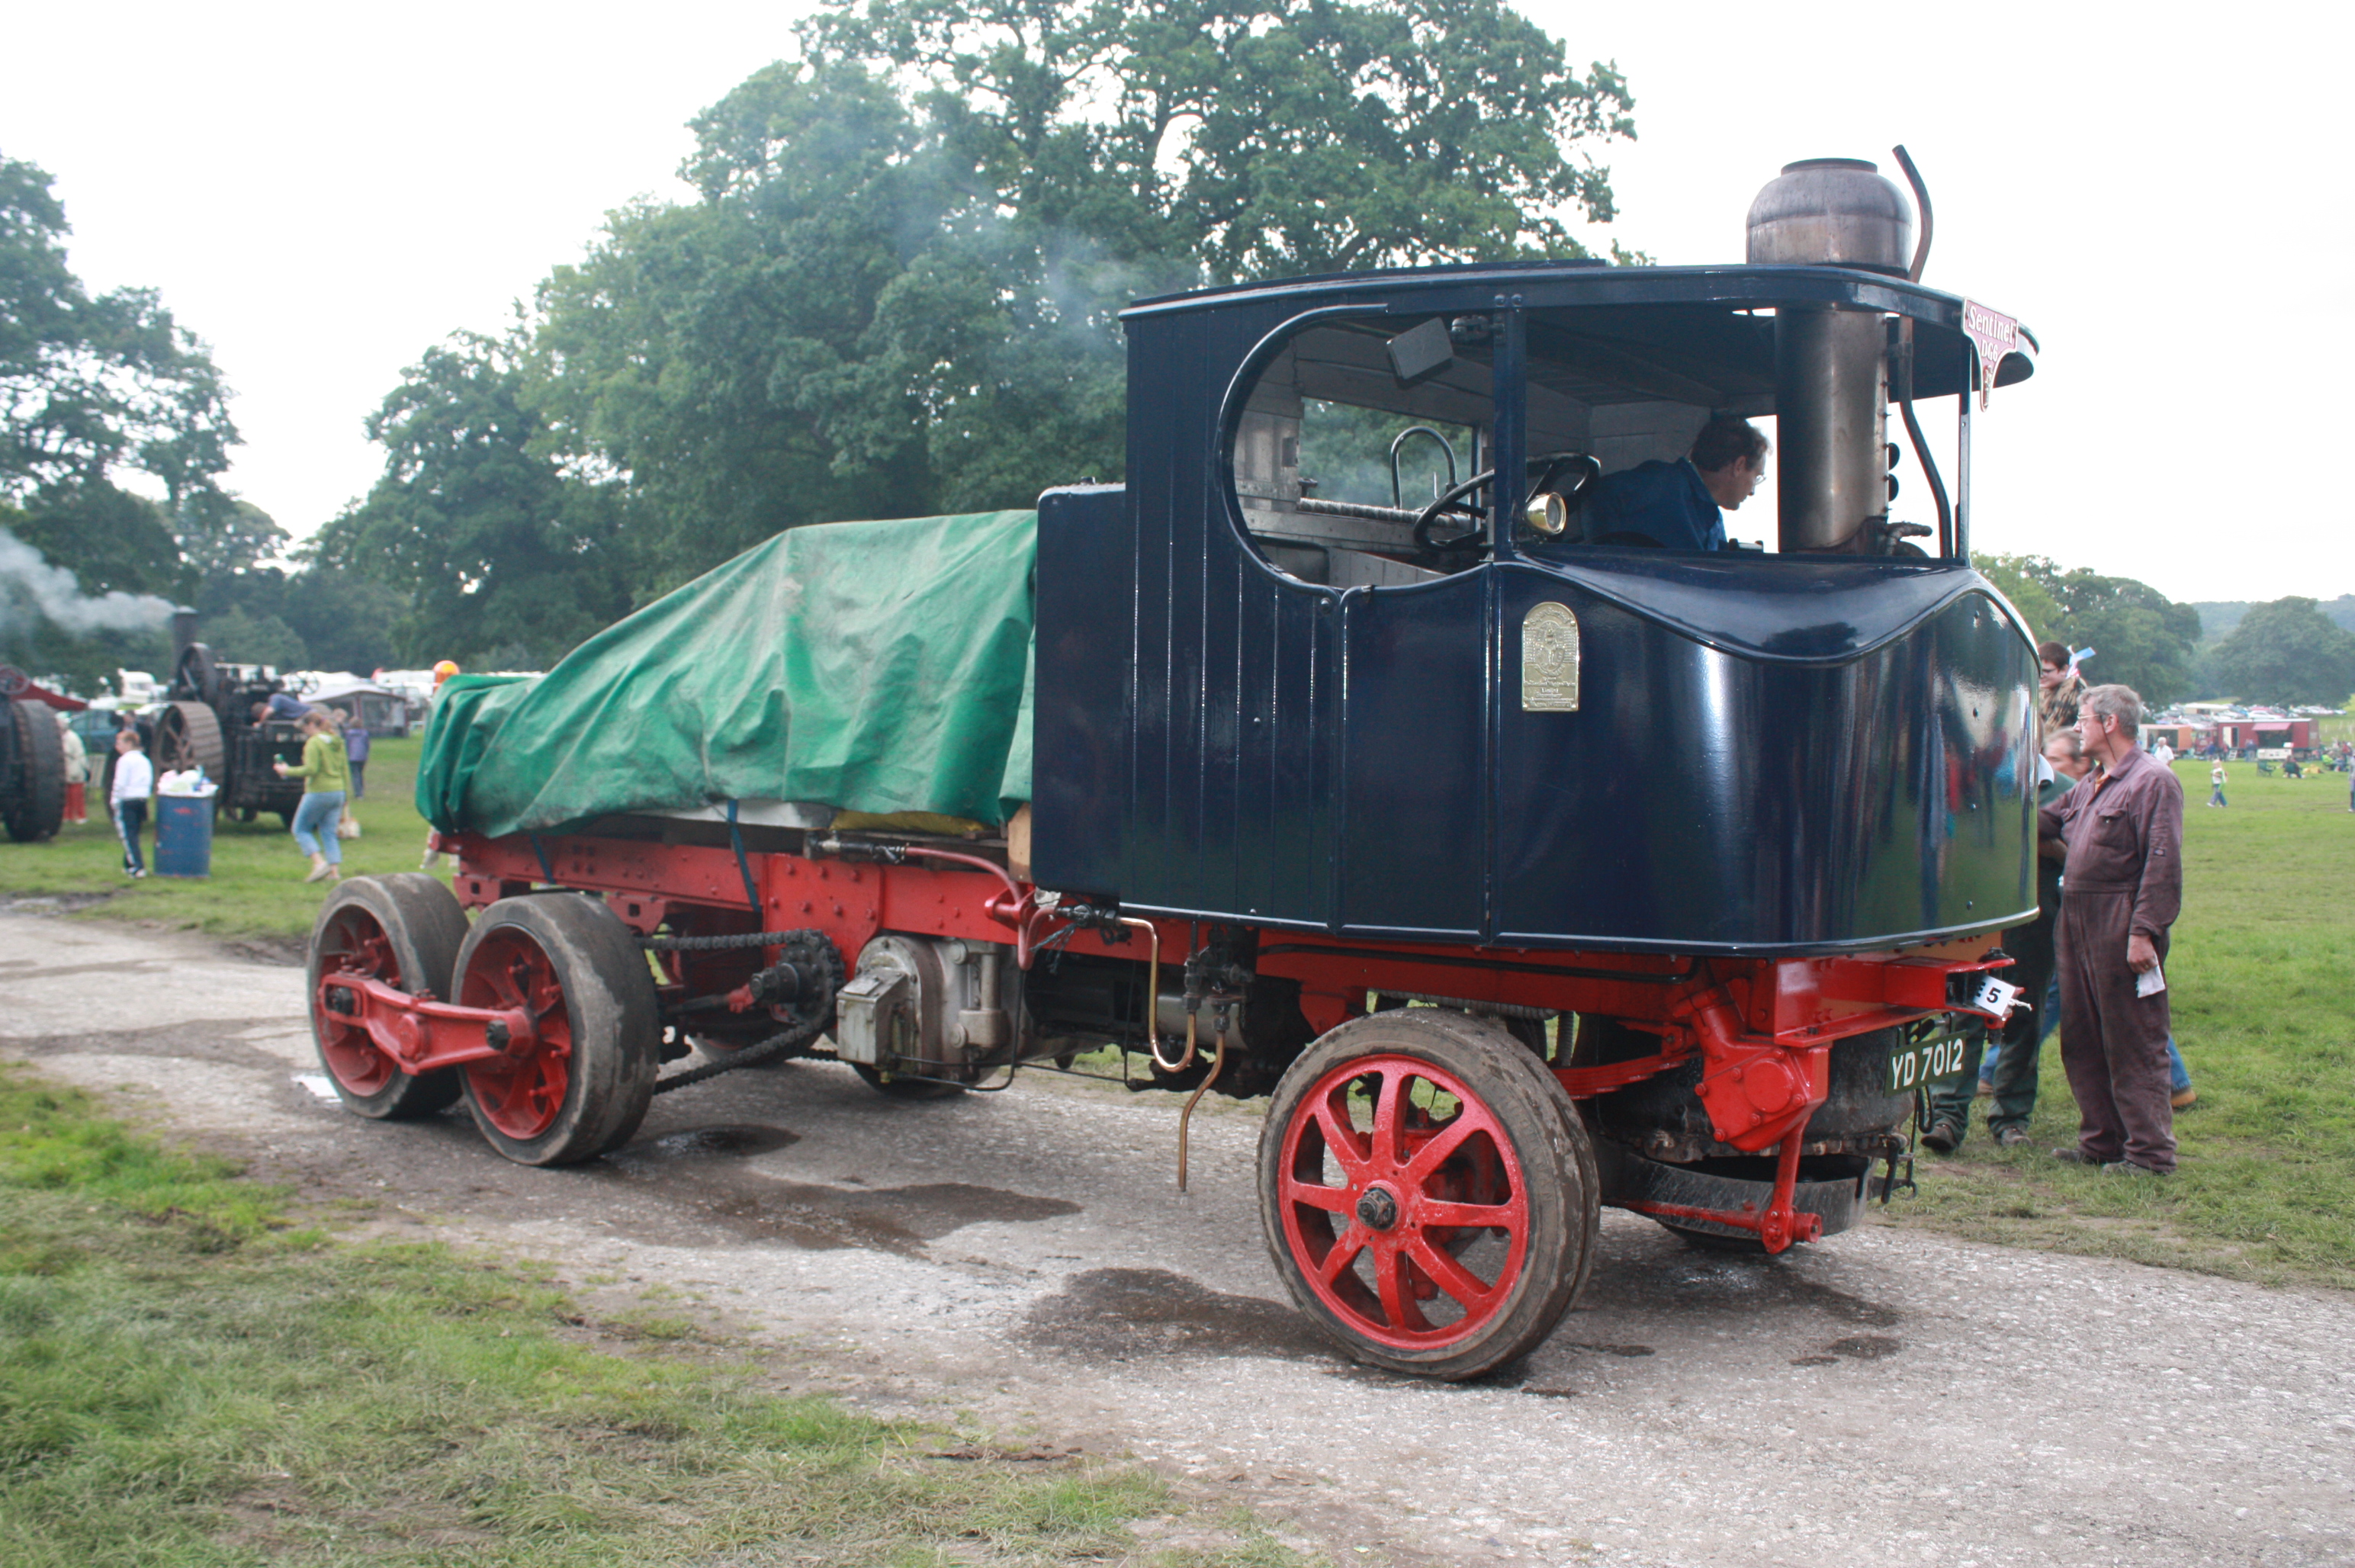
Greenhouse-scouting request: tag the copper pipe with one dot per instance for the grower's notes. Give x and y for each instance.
(1186, 1117)
(1152, 994)
(992, 867)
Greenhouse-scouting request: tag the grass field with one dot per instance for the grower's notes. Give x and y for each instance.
(2261, 988)
(256, 888)
(185, 1379)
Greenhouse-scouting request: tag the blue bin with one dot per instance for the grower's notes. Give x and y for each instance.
(184, 835)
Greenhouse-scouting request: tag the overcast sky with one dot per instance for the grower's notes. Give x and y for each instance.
(321, 192)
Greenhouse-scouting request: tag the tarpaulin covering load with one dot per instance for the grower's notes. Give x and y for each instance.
(873, 667)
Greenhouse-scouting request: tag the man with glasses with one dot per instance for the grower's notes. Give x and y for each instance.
(1681, 504)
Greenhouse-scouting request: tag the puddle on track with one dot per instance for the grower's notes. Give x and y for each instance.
(1698, 1285)
(1130, 1314)
(1866, 1346)
(704, 1142)
(692, 1171)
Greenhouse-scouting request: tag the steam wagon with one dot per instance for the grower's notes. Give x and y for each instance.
(1337, 755)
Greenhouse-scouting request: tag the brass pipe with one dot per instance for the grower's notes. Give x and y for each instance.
(1152, 982)
(1186, 1117)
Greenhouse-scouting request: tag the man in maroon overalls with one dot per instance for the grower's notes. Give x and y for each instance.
(2123, 888)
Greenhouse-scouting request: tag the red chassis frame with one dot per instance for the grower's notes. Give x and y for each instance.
(1763, 1028)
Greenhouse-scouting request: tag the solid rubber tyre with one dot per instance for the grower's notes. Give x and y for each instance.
(1513, 1150)
(35, 807)
(406, 930)
(584, 1085)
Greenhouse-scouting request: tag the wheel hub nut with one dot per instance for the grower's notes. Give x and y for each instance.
(1378, 1209)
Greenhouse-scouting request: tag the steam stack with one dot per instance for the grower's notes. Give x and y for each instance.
(1831, 365)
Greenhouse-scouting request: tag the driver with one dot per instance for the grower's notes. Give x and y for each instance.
(1681, 504)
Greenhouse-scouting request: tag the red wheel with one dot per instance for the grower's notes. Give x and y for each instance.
(406, 930)
(1428, 1193)
(582, 1082)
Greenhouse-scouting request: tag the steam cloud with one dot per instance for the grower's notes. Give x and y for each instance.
(30, 582)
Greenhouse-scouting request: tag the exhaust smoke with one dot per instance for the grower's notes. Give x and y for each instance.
(30, 589)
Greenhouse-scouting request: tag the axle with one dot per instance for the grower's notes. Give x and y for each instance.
(422, 1034)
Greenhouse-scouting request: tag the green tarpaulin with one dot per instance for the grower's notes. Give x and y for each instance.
(879, 667)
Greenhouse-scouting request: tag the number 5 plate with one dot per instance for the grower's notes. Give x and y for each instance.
(1932, 1061)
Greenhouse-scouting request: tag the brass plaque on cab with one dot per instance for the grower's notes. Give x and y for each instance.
(1550, 659)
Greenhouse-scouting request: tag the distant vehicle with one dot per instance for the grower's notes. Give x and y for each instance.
(385, 713)
(207, 720)
(96, 726)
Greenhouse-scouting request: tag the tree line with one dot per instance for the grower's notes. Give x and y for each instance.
(114, 434)
(2288, 652)
(895, 291)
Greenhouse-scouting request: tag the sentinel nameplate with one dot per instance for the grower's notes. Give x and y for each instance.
(1550, 659)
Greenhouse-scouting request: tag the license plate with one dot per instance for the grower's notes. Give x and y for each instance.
(1932, 1061)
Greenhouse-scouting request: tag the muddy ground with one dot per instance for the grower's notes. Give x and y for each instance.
(1023, 1260)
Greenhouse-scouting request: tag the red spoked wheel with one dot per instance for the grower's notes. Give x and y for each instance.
(582, 1084)
(1428, 1193)
(406, 930)
(520, 1095)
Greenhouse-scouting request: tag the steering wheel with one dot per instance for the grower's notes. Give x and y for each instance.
(1548, 465)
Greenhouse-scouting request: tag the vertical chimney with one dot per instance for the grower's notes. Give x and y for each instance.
(1831, 365)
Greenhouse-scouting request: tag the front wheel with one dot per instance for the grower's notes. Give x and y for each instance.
(1428, 1193)
(582, 1082)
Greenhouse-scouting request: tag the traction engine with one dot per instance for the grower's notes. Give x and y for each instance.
(207, 720)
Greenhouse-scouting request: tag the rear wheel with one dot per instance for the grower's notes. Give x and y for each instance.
(188, 735)
(581, 1085)
(1428, 1193)
(406, 930)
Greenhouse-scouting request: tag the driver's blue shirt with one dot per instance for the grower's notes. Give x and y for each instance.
(1664, 501)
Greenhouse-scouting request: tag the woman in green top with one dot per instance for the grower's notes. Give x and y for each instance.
(326, 775)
